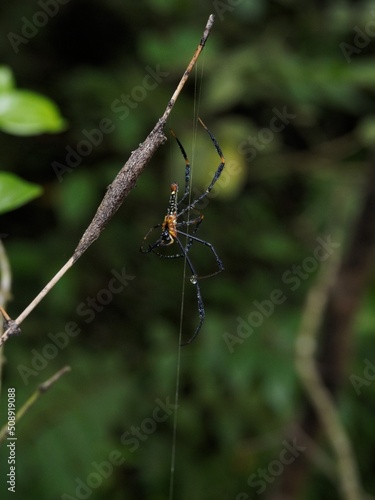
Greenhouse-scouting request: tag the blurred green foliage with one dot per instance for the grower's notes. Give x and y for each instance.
(14, 192)
(281, 190)
(23, 112)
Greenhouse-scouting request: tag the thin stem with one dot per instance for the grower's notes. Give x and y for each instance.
(44, 292)
(186, 75)
(34, 397)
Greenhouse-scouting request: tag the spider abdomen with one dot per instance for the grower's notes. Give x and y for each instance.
(169, 229)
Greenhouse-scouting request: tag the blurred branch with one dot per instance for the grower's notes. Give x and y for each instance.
(5, 287)
(320, 396)
(119, 189)
(34, 397)
(329, 314)
(5, 276)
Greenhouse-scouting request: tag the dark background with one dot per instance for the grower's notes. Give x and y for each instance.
(238, 405)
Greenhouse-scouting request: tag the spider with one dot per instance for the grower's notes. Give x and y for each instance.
(170, 227)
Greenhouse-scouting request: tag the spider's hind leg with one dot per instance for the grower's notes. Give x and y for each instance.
(211, 247)
(201, 310)
(197, 222)
(194, 281)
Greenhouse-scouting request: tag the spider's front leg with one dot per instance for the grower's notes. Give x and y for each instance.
(155, 245)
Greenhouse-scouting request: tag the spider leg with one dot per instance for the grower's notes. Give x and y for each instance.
(216, 175)
(165, 256)
(152, 248)
(187, 168)
(194, 281)
(211, 247)
(158, 243)
(197, 221)
(155, 245)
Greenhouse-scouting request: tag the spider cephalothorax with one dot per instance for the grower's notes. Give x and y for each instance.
(170, 227)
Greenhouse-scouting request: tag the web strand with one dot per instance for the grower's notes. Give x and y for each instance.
(197, 98)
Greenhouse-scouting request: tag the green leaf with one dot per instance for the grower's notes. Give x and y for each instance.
(25, 113)
(6, 79)
(15, 192)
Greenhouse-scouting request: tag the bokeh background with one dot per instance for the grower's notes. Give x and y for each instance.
(242, 403)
